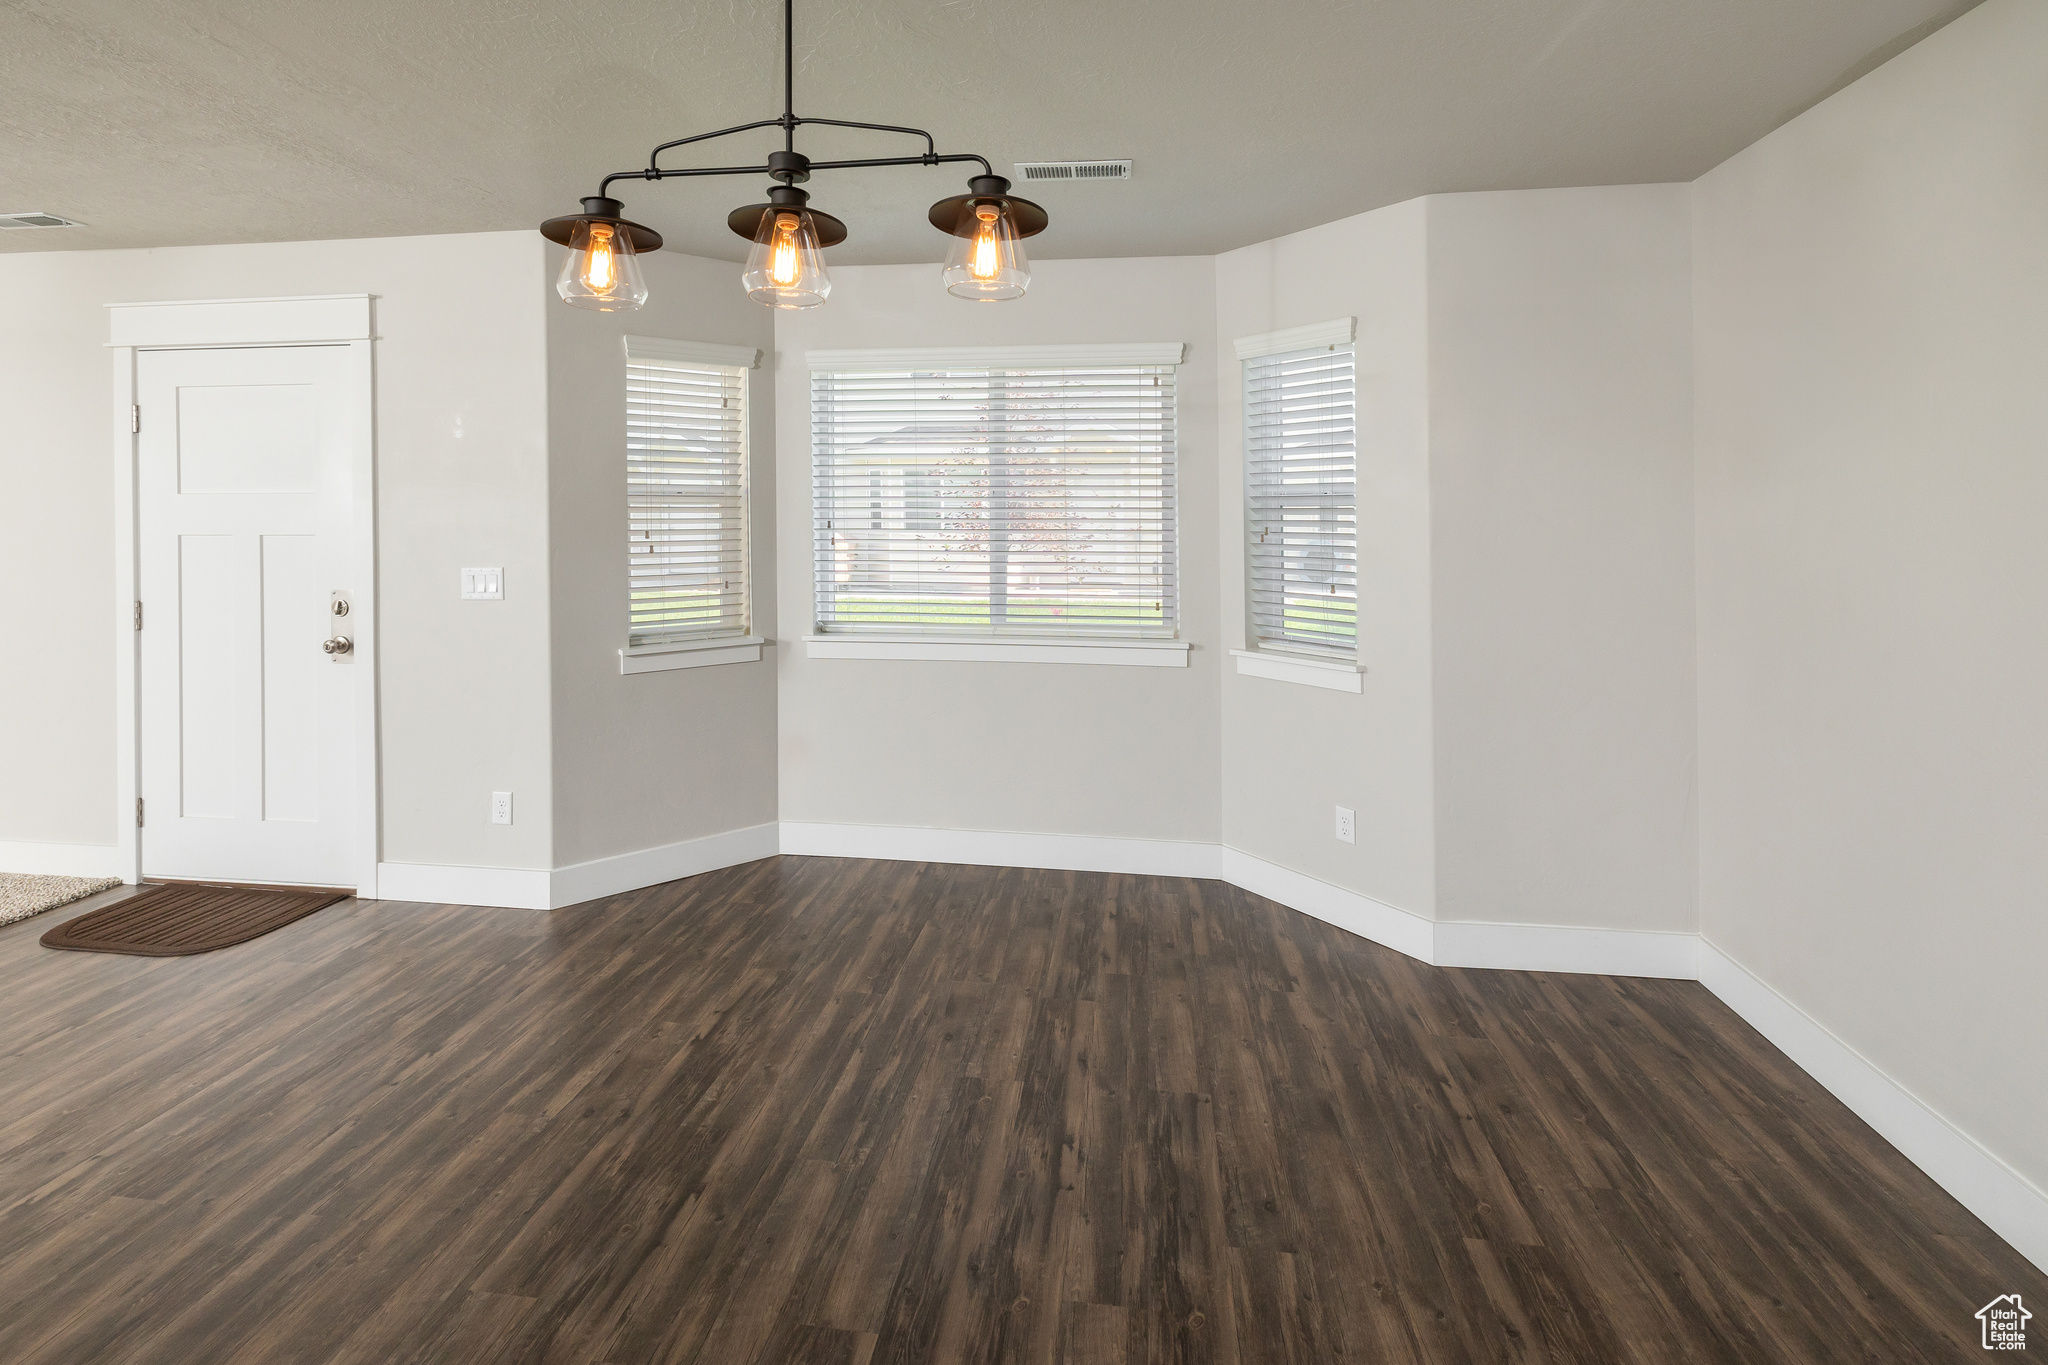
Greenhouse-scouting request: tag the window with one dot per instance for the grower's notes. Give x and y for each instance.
(686, 491)
(1025, 492)
(1301, 499)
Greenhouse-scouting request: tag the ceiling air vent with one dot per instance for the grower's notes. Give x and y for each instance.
(1074, 170)
(34, 219)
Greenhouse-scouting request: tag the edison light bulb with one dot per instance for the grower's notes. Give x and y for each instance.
(601, 272)
(986, 261)
(784, 270)
(987, 254)
(601, 262)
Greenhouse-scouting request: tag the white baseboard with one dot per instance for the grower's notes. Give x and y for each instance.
(1463, 943)
(994, 848)
(62, 860)
(517, 888)
(1512, 947)
(2010, 1204)
(1387, 925)
(580, 882)
(511, 888)
(1566, 948)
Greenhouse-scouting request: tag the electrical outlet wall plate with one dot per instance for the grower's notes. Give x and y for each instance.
(501, 808)
(483, 585)
(1347, 825)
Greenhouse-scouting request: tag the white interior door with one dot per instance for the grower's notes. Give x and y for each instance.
(247, 743)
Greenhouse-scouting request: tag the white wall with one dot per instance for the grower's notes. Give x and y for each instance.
(56, 553)
(649, 759)
(1522, 750)
(1871, 284)
(462, 480)
(1040, 748)
(1290, 753)
(1560, 430)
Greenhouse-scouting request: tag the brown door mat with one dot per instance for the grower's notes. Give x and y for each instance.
(176, 919)
(297, 887)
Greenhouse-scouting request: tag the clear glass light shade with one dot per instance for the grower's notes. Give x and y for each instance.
(784, 270)
(601, 272)
(986, 260)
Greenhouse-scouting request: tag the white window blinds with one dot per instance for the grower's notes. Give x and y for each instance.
(980, 499)
(1301, 499)
(686, 493)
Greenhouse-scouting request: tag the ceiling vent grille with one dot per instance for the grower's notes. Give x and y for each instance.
(34, 219)
(1074, 170)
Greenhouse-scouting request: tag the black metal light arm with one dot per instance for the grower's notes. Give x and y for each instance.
(930, 147)
(928, 159)
(664, 172)
(655, 155)
(605, 185)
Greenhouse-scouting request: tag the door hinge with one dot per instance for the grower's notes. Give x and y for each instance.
(138, 812)
(134, 417)
(138, 615)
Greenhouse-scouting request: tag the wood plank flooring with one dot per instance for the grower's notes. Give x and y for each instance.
(822, 1112)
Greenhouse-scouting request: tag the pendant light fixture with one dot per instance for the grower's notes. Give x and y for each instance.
(986, 260)
(600, 272)
(785, 268)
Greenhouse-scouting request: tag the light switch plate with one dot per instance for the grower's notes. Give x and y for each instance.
(483, 585)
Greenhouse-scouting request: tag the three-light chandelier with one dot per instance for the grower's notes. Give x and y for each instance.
(785, 269)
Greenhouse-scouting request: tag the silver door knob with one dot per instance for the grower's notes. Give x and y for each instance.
(340, 644)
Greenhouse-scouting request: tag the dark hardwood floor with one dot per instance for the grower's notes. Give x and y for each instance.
(812, 1110)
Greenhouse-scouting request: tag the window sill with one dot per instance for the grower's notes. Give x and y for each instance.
(725, 649)
(1335, 674)
(1001, 650)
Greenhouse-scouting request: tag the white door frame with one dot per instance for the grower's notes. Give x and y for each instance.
(326, 319)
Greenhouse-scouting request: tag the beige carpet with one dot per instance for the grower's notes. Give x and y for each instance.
(22, 895)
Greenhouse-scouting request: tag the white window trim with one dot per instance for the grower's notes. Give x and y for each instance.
(662, 655)
(1311, 670)
(694, 352)
(1335, 332)
(1338, 675)
(1146, 652)
(1000, 357)
(720, 649)
(1002, 649)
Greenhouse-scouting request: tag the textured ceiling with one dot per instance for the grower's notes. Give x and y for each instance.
(168, 122)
